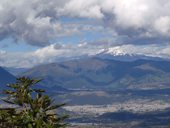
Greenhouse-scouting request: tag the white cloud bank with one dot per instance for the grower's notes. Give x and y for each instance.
(38, 21)
(57, 52)
(151, 15)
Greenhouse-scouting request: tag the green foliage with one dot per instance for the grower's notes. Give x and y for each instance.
(31, 108)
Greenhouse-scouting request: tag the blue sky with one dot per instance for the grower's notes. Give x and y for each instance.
(43, 31)
(10, 45)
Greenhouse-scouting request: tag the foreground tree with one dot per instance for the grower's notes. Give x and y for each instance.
(30, 107)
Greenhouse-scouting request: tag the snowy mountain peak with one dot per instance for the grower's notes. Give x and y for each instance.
(115, 51)
(119, 53)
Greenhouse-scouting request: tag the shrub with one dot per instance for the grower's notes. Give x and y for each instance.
(30, 107)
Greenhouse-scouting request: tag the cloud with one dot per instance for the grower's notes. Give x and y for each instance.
(131, 17)
(40, 21)
(132, 26)
(59, 52)
(162, 25)
(82, 8)
(35, 22)
(51, 53)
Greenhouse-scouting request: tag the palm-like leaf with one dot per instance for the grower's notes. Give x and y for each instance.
(36, 110)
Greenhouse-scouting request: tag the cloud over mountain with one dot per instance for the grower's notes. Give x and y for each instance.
(83, 28)
(60, 52)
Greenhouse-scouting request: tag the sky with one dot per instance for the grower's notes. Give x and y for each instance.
(34, 32)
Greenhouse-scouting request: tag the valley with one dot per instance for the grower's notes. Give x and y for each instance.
(108, 109)
(106, 93)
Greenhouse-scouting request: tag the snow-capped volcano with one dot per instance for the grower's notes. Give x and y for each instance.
(114, 51)
(119, 53)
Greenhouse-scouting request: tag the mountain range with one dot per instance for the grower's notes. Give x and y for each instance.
(110, 68)
(5, 78)
(97, 72)
(15, 71)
